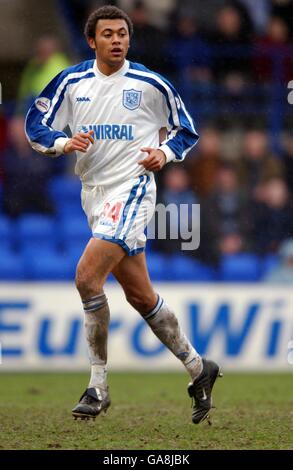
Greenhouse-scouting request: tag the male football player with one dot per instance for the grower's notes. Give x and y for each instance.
(115, 109)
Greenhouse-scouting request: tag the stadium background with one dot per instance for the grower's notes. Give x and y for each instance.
(232, 63)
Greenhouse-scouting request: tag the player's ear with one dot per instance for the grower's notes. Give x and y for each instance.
(91, 42)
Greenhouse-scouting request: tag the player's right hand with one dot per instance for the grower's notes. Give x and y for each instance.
(80, 142)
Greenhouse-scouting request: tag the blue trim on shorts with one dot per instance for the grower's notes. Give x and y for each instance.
(131, 197)
(138, 202)
(123, 245)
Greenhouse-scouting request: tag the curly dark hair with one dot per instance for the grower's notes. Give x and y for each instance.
(108, 12)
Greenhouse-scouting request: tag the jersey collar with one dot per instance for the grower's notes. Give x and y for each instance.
(122, 71)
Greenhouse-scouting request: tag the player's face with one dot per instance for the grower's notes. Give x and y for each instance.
(111, 41)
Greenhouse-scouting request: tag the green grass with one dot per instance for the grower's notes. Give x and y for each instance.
(149, 411)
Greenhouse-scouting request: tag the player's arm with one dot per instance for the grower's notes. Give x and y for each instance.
(79, 141)
(181, 133)
(47, 118)
(155, 159)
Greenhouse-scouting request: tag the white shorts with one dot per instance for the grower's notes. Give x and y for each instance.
(121, 213)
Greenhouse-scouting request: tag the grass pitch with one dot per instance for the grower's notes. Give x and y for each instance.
(149, 411)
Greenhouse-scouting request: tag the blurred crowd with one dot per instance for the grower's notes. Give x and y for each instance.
(242, 182)
(227, 41)
(246, 203)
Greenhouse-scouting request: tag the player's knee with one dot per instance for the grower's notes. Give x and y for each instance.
(141, 303)
(86, 283)
(82, 280)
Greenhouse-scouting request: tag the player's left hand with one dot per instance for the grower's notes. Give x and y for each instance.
(155, 160)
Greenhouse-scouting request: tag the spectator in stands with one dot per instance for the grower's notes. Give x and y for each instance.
(272, 217)
(257, 164)
(273, 53)
(148, 41)
(46, 63)
(225, 213)
(76, 12)
(284, 9)
(204, 162)
(283, 273)
(176, 191)
(232, 43)
(158, 11)
(188, 52)
(25, 177)
(230, 242)
(227, 205)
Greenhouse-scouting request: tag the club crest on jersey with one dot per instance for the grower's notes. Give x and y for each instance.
(131, 99)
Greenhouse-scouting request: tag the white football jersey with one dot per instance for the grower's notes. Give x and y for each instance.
(125, 110)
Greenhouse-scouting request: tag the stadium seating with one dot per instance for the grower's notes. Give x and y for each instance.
(243, 267)
(6, 232)
(268, 263)
(35, 227)
(65, 193)
(178, 268)
(74, 230)
(74, 249)
(42, 247)
(50, 266)
(185, 268)
(12, 266)
(36, 232)
(158, 266)
(67, 208)
(64, 188)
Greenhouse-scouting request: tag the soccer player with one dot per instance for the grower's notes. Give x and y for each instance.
(115, 109)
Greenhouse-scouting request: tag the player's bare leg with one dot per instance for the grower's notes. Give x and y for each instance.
(97, 261)
(133, 276)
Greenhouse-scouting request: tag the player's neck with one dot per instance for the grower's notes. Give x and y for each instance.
(107, 69)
